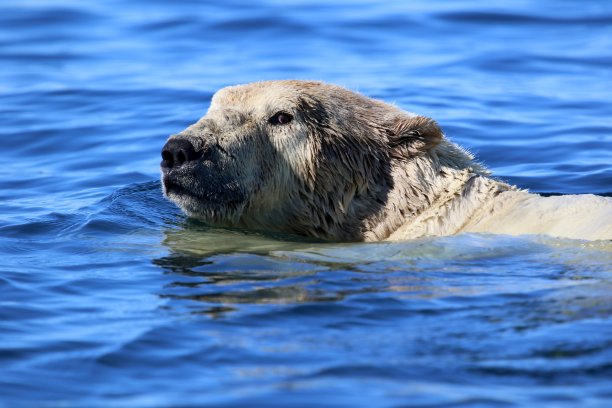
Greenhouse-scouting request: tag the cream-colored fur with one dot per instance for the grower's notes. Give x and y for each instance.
(514, 212)
(350, 168)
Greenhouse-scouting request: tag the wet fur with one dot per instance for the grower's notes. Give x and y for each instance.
(347, 168)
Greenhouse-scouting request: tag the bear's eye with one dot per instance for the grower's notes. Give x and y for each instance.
(281, 118)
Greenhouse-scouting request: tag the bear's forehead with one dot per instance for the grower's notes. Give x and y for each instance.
(266, 97)
(261, 99)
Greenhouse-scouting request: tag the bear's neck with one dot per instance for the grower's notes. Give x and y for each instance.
(433, 194)
(432, 198)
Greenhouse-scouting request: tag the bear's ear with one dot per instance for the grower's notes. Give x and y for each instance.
(417, 134)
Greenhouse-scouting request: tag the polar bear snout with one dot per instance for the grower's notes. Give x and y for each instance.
(177, 152)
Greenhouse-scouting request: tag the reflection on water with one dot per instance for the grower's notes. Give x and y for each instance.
(221, 268)
(475, 307)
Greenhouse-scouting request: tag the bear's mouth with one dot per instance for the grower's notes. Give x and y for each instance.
(210, 205)
(173, 188)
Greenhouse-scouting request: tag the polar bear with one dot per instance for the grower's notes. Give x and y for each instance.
(315, 159)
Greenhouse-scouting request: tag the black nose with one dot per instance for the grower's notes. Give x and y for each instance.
(177, 152)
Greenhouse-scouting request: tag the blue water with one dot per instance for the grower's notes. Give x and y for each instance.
(109, 296)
